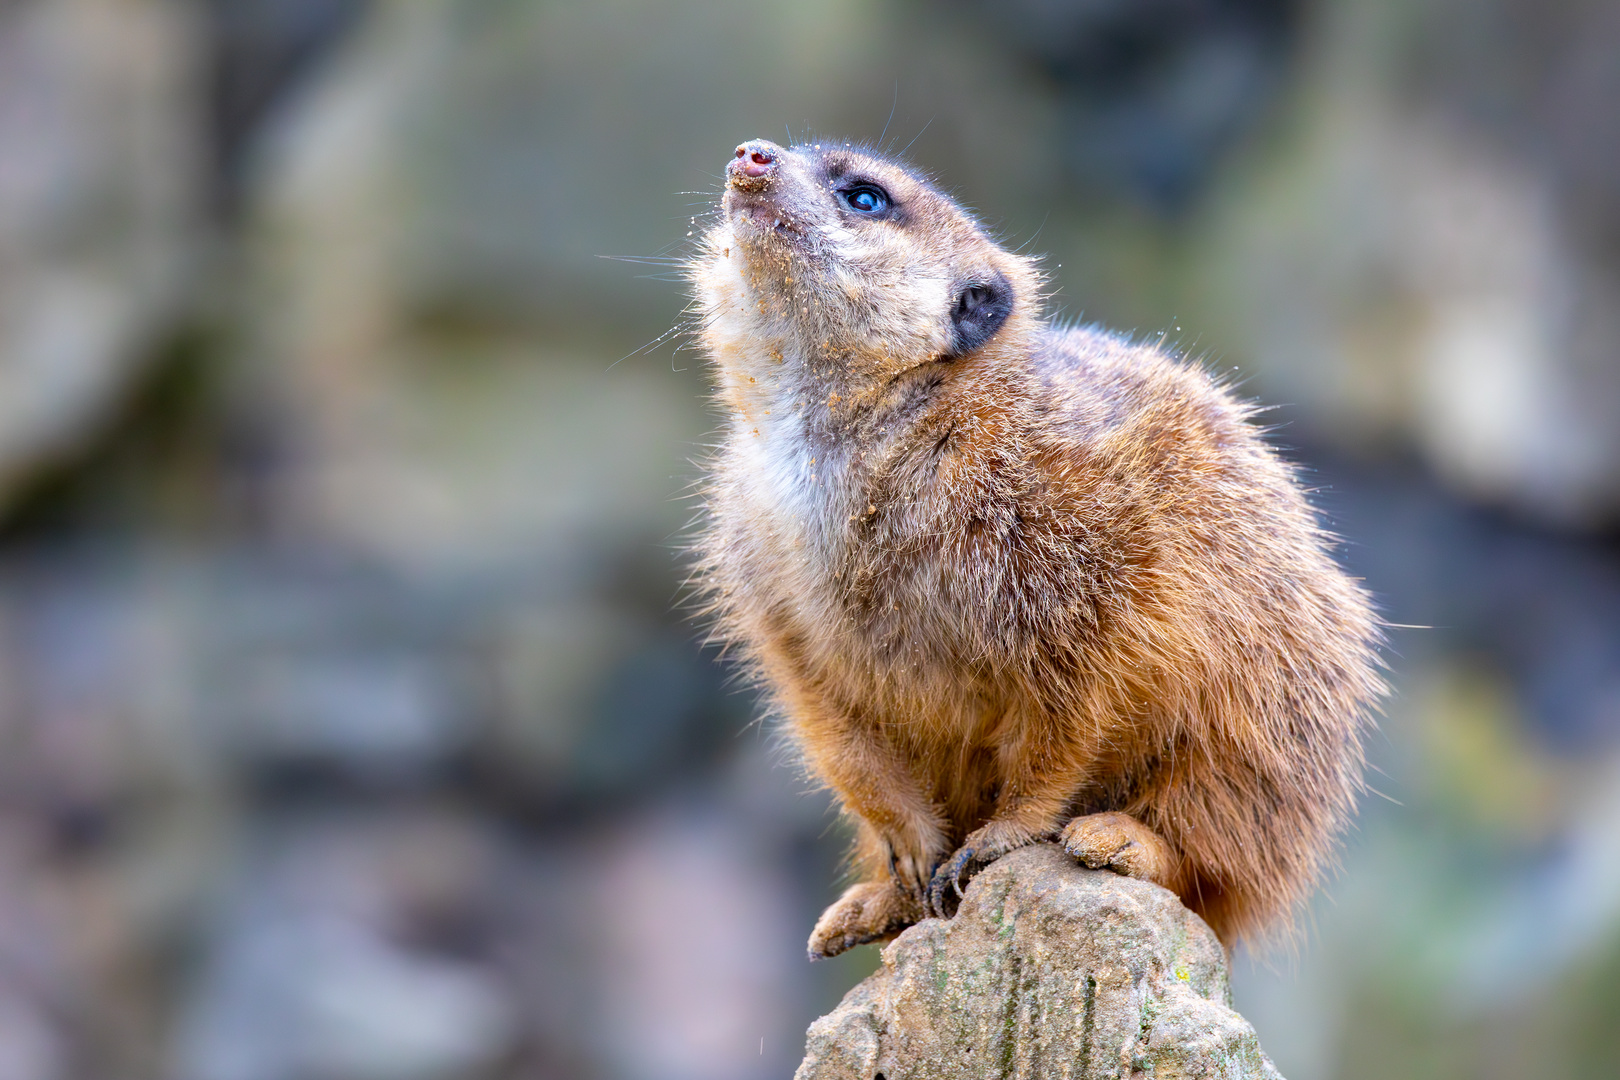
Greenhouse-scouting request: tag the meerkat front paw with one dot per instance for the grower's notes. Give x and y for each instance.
(870, 911)
(981, 848)
(945, 888)
(1118, 842)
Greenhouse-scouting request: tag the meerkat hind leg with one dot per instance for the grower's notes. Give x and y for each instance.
(869, 911)
(1118, 842)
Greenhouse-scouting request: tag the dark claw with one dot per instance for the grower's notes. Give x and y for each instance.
(848, 942)
(950, 874)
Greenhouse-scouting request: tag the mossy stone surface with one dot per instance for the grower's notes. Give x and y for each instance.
(1047, 970)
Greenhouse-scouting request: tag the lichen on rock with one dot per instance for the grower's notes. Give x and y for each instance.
(1047, 970)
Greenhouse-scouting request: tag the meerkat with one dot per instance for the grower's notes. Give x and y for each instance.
(1005, 580)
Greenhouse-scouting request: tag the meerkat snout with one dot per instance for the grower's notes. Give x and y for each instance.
(753, 165)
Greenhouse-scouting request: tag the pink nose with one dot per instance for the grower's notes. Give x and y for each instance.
(754, 163)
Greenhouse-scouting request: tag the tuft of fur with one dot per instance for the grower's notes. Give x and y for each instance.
(1054, 586)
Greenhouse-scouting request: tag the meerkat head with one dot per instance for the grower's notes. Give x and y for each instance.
(831, 253)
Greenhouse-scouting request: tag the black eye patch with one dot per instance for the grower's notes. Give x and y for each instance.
(980, 307)
(867, 199)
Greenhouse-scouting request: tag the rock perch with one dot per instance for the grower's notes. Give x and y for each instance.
(1047, 970)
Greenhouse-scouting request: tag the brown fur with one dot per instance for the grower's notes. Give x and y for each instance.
(1054, 587)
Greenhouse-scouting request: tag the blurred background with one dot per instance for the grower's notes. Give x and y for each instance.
(351, 728)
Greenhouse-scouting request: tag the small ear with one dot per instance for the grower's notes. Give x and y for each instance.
(981, 306)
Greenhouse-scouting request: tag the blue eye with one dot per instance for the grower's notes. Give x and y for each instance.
(866, 199)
